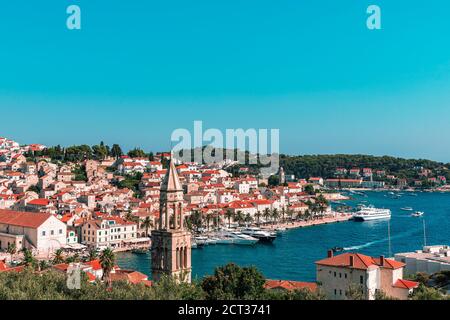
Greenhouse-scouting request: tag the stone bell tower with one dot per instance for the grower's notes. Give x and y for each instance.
(171, 243)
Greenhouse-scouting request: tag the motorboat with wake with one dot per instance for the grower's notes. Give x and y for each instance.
(337, 249)
(418, 214)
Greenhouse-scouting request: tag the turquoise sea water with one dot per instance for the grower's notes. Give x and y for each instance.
(292, 255)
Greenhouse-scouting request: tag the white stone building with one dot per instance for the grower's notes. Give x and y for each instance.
(41, 232)
(112, 232)
(337, 274)
(431, 259)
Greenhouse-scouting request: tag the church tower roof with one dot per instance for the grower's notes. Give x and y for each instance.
(171, 182)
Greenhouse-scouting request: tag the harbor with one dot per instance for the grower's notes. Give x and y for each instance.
(292, 255)
(264, 234)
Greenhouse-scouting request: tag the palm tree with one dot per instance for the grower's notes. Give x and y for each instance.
(283, 214)
(248, 218)
(275, 216)
(58, 257)
(239, 217)
(188, 224)
(107, 261)
(28, 258)
(216, 219)
(322, 204)
(229, 214)
(74, 258)
(312, 209)
(307, 214)
(267, 214)
(197, 219)
(12, 249)
(92, 254)
(258, 216)
(43, 265)
(147, 224)
(290, 214)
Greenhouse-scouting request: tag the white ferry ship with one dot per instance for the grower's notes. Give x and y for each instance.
(371, 213)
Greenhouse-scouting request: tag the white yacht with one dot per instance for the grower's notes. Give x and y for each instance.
(236, 237)
(201, 241)
(418, 214)
(261, 235)
(371, 213)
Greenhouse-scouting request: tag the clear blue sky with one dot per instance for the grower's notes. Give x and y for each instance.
(140, 69)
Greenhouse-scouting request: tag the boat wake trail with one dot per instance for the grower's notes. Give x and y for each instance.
(369, 244)
(366, 245)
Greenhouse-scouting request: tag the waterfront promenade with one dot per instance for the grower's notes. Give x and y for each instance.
(339, 217)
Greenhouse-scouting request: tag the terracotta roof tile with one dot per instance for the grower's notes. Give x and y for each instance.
(91, 277)
(23, 219)
(360, 261)
(406, 284)
(290, 285)
(95, 264)
(3, 266)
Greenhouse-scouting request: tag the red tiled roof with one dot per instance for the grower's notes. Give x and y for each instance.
(147, 283)
(390, 264)
(240, 205)
(133, 277)
(137, 277)
(360, 261)
(39, 202)
(3, 266)
(262, 201)
(91, 277)
(15, 269)
(66, 217)
(290, 285)
(23, 219)
(406, 284)
(95, 264)
(61, 267)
